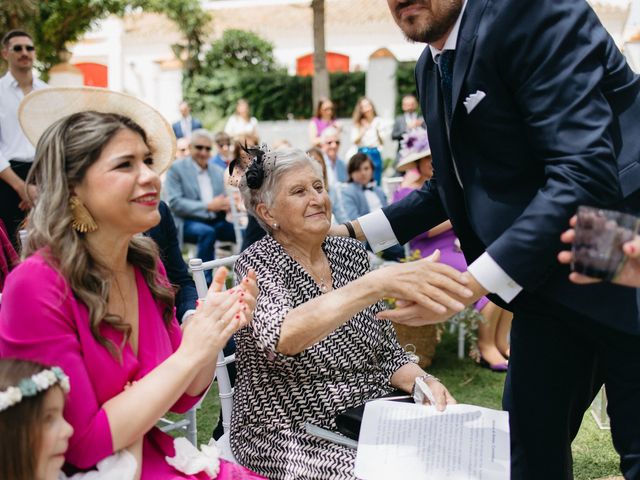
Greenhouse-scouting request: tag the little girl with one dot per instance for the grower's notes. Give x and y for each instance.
(33, 432)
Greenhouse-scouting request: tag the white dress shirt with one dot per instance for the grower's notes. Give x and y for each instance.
(185, 124)
(484, 269)
(204, 182)
(373, 201)
(13, 144)
(237, 126)
(371, 136)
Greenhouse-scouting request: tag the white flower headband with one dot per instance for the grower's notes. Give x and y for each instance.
(33, 385)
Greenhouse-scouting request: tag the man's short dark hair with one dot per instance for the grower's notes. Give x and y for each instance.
(13, 34)
(356, 161)
(222, 137)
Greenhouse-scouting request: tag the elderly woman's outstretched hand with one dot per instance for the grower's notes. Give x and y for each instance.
(629, 276)
(220, 315)
(427, 291)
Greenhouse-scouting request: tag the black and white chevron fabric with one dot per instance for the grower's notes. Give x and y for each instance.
(275, 394)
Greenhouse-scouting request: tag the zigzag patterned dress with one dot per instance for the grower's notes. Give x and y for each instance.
(276, 394)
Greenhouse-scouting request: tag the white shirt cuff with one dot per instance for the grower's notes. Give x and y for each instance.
(377, 229)
(4, 163)
(493, 278)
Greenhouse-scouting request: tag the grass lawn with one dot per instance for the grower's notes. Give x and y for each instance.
(593, 453)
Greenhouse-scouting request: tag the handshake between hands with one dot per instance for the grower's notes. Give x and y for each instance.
(427, 291)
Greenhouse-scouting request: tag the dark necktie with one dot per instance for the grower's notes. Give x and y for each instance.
(445, 65)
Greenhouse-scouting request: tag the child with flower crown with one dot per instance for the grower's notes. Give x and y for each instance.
(34, 434)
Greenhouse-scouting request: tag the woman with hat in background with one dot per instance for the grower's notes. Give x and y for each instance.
(92, 296)
(415, 161)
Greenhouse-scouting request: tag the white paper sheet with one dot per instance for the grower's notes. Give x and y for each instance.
(403, 440)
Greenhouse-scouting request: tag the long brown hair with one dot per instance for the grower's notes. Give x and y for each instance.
(21, 424)
(64, 153)
(319, 108)
(357, 111)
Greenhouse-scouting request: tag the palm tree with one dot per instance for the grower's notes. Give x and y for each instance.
(320, 82)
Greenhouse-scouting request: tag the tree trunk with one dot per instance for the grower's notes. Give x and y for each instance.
(321, 75)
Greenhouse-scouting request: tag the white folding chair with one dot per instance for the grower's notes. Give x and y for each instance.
(188, 425)
(236, 216)
(225, 390)
(390, 185)
(24, 236)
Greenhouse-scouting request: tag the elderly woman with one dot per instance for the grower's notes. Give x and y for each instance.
(92, 296)
(315, 347)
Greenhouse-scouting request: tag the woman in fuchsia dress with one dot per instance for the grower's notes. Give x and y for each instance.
(93, 298)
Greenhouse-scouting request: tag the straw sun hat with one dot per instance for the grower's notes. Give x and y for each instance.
(414, 146)
(40, 109)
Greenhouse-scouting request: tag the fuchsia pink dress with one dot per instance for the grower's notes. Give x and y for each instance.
(41, 320)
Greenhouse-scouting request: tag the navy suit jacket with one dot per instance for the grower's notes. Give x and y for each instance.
(177, 127)
(166, 236)
(558, 128)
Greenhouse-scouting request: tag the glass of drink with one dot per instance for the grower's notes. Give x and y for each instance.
(600, 234)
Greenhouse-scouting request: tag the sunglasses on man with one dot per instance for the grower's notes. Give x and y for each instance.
(19, 48)
(202, 147)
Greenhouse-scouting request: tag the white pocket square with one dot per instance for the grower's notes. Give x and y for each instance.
(473, 100)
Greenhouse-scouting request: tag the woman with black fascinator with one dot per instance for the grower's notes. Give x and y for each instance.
(315, 347)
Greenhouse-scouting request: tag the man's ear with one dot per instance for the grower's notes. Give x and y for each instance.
(5, 52)
(264, 214)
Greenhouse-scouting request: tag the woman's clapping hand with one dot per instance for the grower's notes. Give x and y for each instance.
(219, 316)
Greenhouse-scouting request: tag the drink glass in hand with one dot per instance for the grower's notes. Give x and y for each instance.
(600, 234)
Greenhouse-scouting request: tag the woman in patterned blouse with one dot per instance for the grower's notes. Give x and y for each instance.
(315, 347)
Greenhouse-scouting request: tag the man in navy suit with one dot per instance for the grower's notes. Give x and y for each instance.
(196, 196)
(186, 124)
(532, 111)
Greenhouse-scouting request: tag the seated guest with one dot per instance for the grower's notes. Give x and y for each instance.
(225, 150)
(166, 237)
(336, 168)
(182, 147)
(315, 347)
(92, 297)
(196, 195)
(361, 195)
(492, 350)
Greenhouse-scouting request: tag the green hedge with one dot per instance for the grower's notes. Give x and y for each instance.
(406, 82)
(272, 95)
(277, 95)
